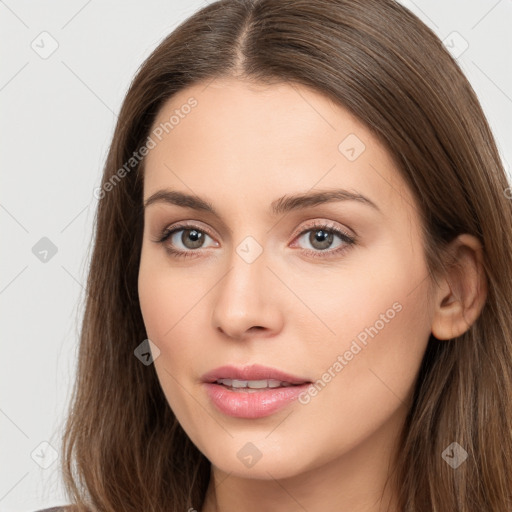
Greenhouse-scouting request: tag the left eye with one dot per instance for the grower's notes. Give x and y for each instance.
(321, 238)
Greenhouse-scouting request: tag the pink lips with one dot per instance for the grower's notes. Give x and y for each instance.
(257, 404)
(253, 372)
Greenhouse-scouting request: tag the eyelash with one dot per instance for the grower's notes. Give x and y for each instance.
(348, 239)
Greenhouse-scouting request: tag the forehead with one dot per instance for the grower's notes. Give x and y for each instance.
(258, 142)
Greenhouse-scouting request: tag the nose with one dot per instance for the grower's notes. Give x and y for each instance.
(246, 303)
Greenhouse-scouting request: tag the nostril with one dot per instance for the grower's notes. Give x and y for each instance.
(256, 328)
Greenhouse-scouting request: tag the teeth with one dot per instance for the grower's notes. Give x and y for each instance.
(253, 384)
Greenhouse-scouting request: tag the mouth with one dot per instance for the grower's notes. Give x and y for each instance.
(249, 402)
(252, 392)
(252, 377)
(253, 386)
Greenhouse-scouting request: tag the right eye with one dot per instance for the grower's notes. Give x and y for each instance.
(189, 236)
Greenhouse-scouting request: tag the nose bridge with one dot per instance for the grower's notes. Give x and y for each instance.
(245, 298)
(246, 280)
(247, 258)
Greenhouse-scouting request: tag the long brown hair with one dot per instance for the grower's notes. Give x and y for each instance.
(123, 449)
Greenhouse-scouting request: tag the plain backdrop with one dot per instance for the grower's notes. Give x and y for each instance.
(65, 67)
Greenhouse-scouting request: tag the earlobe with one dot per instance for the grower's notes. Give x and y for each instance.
(461, 294)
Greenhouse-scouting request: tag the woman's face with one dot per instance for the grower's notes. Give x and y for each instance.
(269, 277)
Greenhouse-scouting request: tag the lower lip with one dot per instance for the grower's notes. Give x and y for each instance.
(243, 404)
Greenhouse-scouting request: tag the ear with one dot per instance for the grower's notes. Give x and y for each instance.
(462, 291)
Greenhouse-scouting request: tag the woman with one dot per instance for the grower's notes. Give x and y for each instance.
(299, 292)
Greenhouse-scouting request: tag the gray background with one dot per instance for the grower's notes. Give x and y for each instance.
(58, 114)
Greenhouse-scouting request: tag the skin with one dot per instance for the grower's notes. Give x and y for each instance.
(243, 146)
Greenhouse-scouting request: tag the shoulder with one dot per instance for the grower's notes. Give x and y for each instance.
(63, 508)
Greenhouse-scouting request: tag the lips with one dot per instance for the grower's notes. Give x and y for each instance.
(253, 377)
(251, 392)
(251, 386)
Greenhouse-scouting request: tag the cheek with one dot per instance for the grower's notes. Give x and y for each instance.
(167, 305)
(367, 378)
(379, 289)
(172, 302)
(381, 326)
(164, 294)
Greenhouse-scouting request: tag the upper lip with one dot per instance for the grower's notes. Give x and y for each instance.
(253, 372)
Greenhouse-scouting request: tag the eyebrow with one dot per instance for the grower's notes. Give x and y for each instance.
(281, 205)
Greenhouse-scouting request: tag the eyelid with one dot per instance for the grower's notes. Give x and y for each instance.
(191, 224)
(326, 223)
(311, 224)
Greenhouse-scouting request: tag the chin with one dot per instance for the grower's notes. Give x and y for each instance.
(255, 457)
